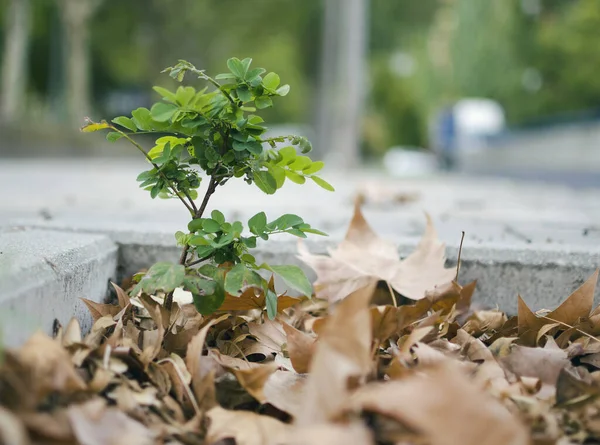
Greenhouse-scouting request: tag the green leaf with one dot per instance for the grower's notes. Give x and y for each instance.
(258, 223)
(285, 222)
(166, 94)
(271, 301)
(161, 277)
(162, 112)
(237, 228)
(246, 64)
(296, 232)
(278, 173)
(199, 286)
(249, 242)
(283, 91)
(154, 191)
(90, 127)
(295, 177)
(265, 181)
(288, 155)
(239, 278)
(198, 240)
(252, 146)
(224, 76)
(141, 119)
(271, 81)
(244, 94)
(217, 216)
(314, 231)
(195, 224)
(210, 225)
(300, 163)
(263, 102)
(113, 136)
(236, 67)
(313, 168)
(252, 75)
(184, 95)
(322, 183)
(294, 277)
(209, 303)
(125, 122)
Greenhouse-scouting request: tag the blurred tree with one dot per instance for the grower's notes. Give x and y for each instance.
(75, 18)
(392, 115)
(134, 40)
(569, 57)
(14, 60)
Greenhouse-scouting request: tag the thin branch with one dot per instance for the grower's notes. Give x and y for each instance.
(392, 294)
(191, 208)
(198, 261)
(572, 327)
(202, 75)
(186, 387)
(462, 238)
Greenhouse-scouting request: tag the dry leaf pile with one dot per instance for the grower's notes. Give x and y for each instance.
(343, 371)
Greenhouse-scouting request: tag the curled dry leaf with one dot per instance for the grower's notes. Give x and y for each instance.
(202, 367)
(51, 366)
(363, 258)
(343, 352)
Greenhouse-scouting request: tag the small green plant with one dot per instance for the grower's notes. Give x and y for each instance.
(216, 131)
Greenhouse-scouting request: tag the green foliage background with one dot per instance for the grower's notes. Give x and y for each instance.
(490, 45)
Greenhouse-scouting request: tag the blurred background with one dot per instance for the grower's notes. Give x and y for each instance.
(495, 87)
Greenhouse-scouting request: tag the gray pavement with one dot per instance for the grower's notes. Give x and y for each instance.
(539, 240)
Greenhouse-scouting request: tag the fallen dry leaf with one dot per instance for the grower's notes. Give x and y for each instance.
(578, 305)
(543, 363)
(363, 258)
(300, 347)
(343, 352)
(285, 391)
(95, 424)
(51, 366)
(246, 428)
(445, 407)
(98, 310)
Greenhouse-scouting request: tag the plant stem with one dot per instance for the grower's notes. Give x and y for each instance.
(212, 186)
(198, 261)
(191, 207)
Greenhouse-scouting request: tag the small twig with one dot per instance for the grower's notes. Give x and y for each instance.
(185, 385)
(462, 238)
(572, 327)
(212, 186)
(392, 294)
(191, 208)
(198, 261)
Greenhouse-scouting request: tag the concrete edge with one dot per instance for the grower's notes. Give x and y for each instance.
(44, 275)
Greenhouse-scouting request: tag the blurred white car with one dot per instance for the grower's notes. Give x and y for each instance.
(409, 162)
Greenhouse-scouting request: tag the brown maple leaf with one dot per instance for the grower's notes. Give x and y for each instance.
(363, 258)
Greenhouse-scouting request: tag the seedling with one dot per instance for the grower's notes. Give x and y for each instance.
(211, 136)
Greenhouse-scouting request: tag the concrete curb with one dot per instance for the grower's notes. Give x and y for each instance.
(44, 272)
(43, 275)
(543, 275)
